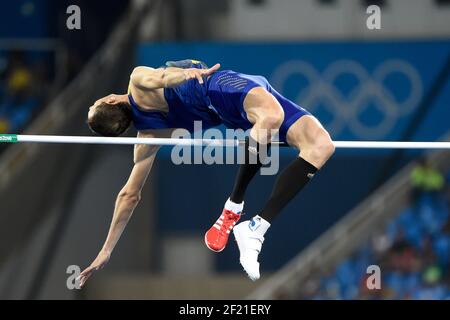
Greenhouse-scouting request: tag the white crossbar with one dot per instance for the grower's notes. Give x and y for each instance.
(12, 138)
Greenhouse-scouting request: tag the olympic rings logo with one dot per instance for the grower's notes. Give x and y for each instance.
(371, 89)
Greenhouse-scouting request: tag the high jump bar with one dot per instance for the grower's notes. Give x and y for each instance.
(17, 138)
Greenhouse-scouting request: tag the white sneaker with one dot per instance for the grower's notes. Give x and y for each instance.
(250, 237)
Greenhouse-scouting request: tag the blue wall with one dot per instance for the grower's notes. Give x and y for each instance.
(359, 91)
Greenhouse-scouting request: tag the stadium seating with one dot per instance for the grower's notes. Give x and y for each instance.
(413, 252)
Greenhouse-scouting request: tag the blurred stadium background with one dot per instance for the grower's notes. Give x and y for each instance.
(386, 208)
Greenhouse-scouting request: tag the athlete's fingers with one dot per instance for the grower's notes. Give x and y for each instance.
(87, 271)
(83, 280)
(213, 69)
(84, 276)
(199, 77)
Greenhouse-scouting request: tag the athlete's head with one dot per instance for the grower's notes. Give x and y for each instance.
(110, 116)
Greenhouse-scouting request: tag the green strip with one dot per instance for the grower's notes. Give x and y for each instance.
(8, 138)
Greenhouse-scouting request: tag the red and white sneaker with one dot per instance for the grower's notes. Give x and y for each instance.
(216, 237)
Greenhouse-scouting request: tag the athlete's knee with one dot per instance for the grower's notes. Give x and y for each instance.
(322, 147)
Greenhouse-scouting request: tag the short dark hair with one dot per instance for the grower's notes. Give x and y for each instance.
(110, 120)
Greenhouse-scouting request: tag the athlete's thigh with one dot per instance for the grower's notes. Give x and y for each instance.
(305, 132)
(259, 103)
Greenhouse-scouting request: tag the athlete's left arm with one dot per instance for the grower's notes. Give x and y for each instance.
(126, 201)
(149, 78)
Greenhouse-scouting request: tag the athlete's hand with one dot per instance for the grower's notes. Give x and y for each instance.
(193, 73)
(99, 262)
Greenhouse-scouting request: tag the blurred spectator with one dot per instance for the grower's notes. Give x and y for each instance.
(18, 76)
(425, 178)
(413, 251)
(22, 91)
(25, 79)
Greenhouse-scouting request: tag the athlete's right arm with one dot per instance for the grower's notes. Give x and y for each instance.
(126, 202)
(149, 78)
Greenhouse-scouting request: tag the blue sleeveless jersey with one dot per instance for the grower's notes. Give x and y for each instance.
(219, 100)
(187, 103)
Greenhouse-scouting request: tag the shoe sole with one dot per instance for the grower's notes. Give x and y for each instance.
(206, 243)
(237, 239)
